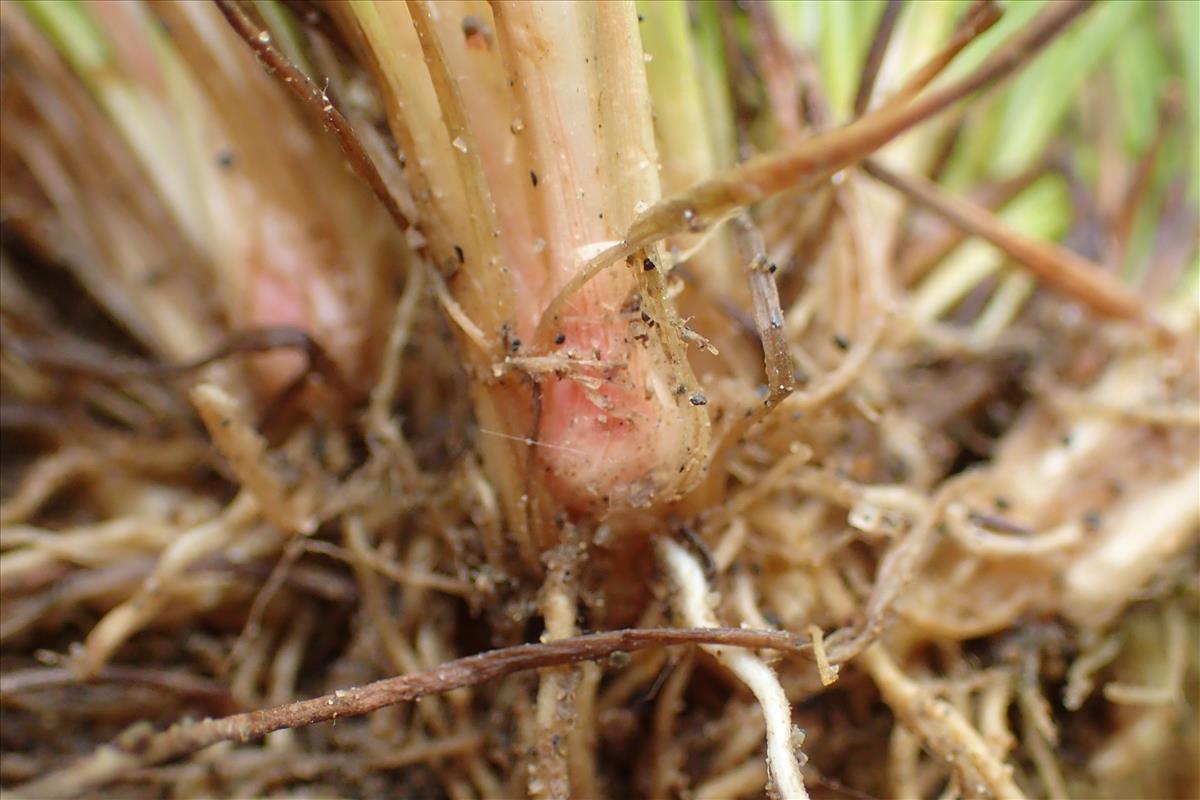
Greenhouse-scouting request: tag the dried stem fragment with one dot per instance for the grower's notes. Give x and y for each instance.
(1053, 264)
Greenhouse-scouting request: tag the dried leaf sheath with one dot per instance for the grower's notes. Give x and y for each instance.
(385, 32)
(215, 139)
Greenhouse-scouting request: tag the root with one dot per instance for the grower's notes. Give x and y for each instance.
(743, 780)
(247, 453)
(126, 619)
(47, 477)
(668, 755)
(550, 774)
(782, 764)
(942, 727)
(112, 761)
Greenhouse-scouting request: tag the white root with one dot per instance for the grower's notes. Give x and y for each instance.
(550, 774)
(977, 539)
(1137, 537)
(782, 765)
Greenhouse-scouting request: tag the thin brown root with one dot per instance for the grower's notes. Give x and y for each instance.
(383, 395)
(827, 672)
(769, 324)
(114, 760)
(45, 479)
(668, 755)
(183, 684)
(898, 566)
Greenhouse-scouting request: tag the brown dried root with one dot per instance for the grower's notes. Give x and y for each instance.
(667, 755)
(178, 682)
(114, 760)
(798, 518)
(745, 779)
(44, 479)
(399, 651)
(898, 566)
